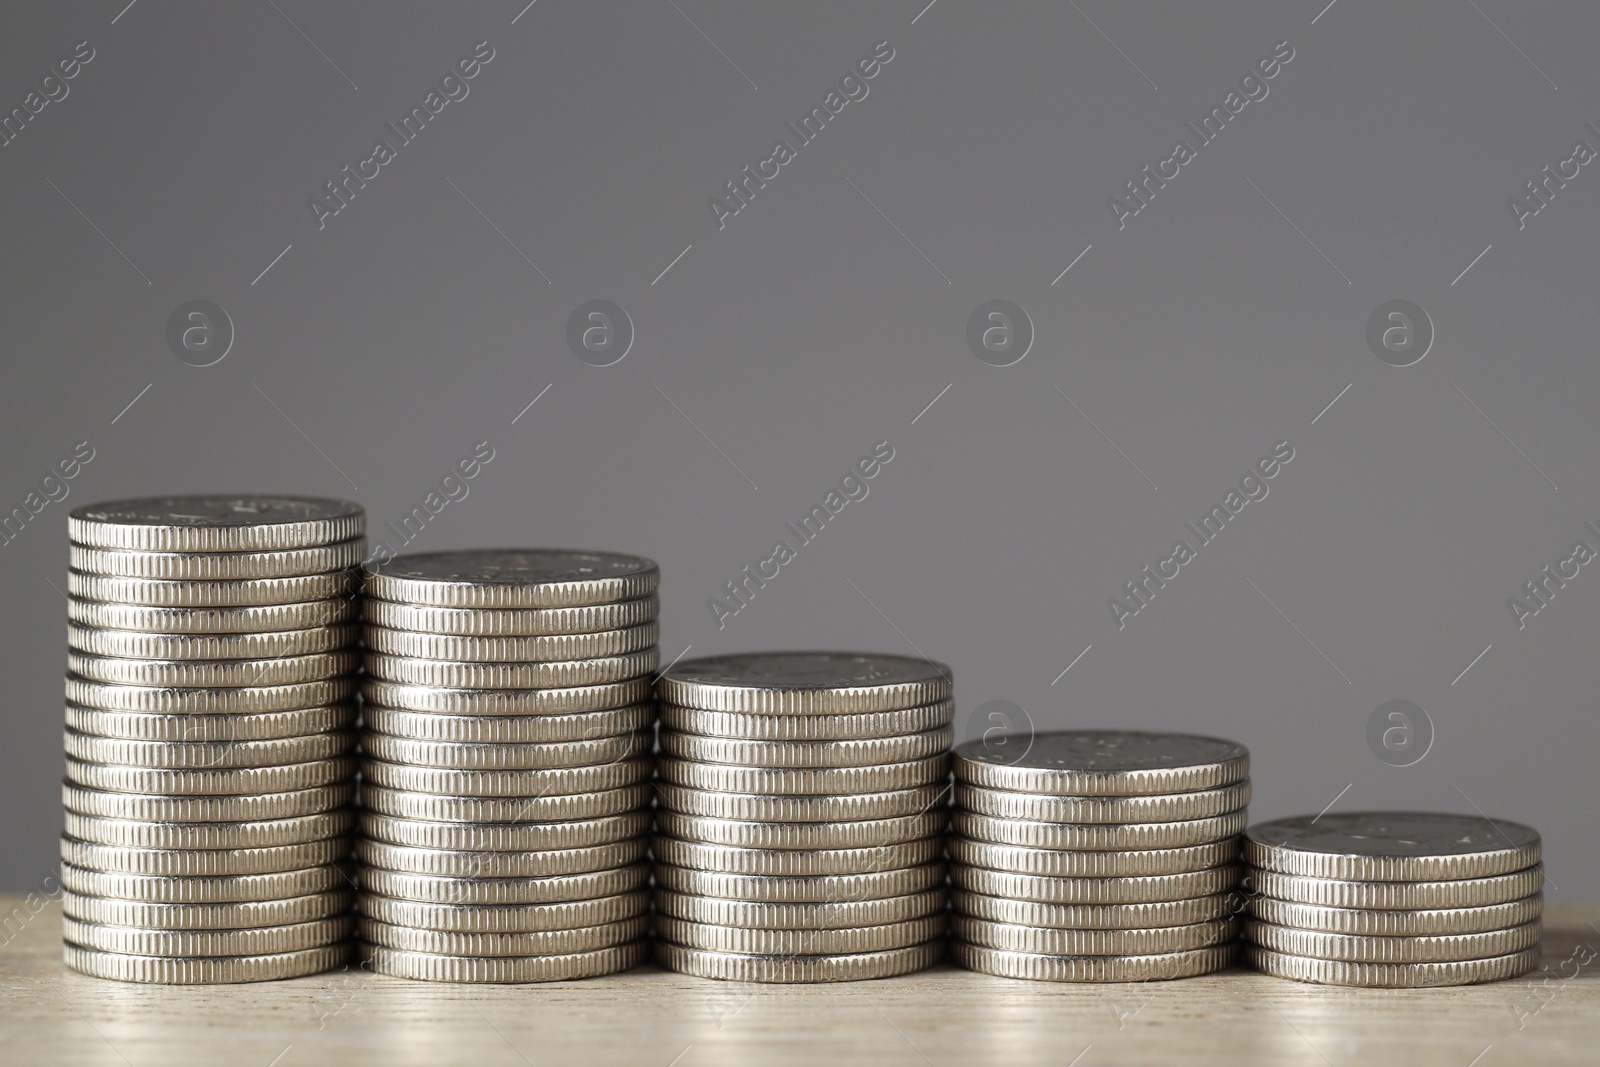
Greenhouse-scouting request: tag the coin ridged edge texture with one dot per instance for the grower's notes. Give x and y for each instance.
(511, 622)
(1372, 922)
(498, 970)
(1134, 916)
(436, 807)
(808, 700)
(499, 944)
(824, 915)
(784, 970)
(1088, 864)
(211, 674)
(91, 525)
(751, 941)
(1361, 863)
(287, 911)
(790, 781)
(230, 727)
(442, 890)
(903, 748)
(236, 619)
(1390, 975)
(543, 783)
(1458, 893)
(1161, 807)
(800, 889)
(204, 970)
(459, 674)
(1097, 837)
(202, 863)
(234, 592)
(1038, 967)
(284, 778)
(176, 700)
(1140, 889)
(508, 729)
(130, 644)
(631, 577)
(208, 755)
(245, 941)
(507, 756)
(1063, 780)
(209, 835)
(446, 700)
(859, 833)
(783, 863)
(244, 807)
(1360, 948)
(465, 863)
(814, 808)
(504, 837)
(1054, 941)
(504, 918)
(162, 889)
(855, 726)
(215, 566)
(541, 648)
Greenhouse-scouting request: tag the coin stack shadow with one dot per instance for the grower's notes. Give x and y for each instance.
(210, 738)
(800, 820)
(506, 742)
(1097, 855)
(1394, 899)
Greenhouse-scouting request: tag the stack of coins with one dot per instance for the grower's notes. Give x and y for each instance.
(801, 816)
(1097, 855)
(210, 737)
(1396, 899)
(506, 741)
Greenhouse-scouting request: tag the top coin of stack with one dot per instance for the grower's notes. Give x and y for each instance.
(506, 740)
(210, 737)
(1398, 899)
(799, 832)
(1097, 855)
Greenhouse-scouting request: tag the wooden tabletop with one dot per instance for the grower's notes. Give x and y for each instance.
(657, 1019)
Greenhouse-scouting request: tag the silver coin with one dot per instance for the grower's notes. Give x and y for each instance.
(848, 967)
(216, 523)
(249, 941)
(446, 701)
(508, 729)
(1097, 836)
(443, 890)
(491, 970)
(1398, 923)
(408, 804)
(209, 835)
(505, 918)
(1409, 896)
(280, 670)
(253, 807)
(215, 566)
(563, 674)
(1390, 975)
(796, 862)
(215, 781)
(505, 837)
(236, 916)
(858, 726)
(806, 754)
(1153, 914)
(1168, 807)
(522, 943)
(129, 644)
(261, 618)
(541, 649)
(204, 970)
(1103, 763)
(170, 700)
(1083, 864)
(468, 756)
(200, 755)
(243, 592)
(1130, 890)
(805, 683)
(800, 889)
(513, 578)
(787, 781)
(836, 915)
(748, 941)
(162, 889)
(461, 863)
(507, 783)
(248, 726)
(512, 622)
(202, 863)
(1038, 967)
(1392, 846)
(1361, 948)
(801, 835)
(754, 807)
(1047, 941)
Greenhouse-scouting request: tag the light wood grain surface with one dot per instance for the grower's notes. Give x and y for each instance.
(657, 1019)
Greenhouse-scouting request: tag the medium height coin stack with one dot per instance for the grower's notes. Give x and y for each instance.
(1097, 855)
(507, 736)
(801, 816)
(1398, 899)
(210, 737)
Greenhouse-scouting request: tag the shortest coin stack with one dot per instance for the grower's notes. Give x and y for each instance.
(799, 833)
(210, 738)
(1097, 855)
(506, 738)
(1394, 899)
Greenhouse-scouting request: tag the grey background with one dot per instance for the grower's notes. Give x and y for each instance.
(809, 329)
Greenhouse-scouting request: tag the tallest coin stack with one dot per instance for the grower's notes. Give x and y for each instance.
(210, 737)
(507, 736)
